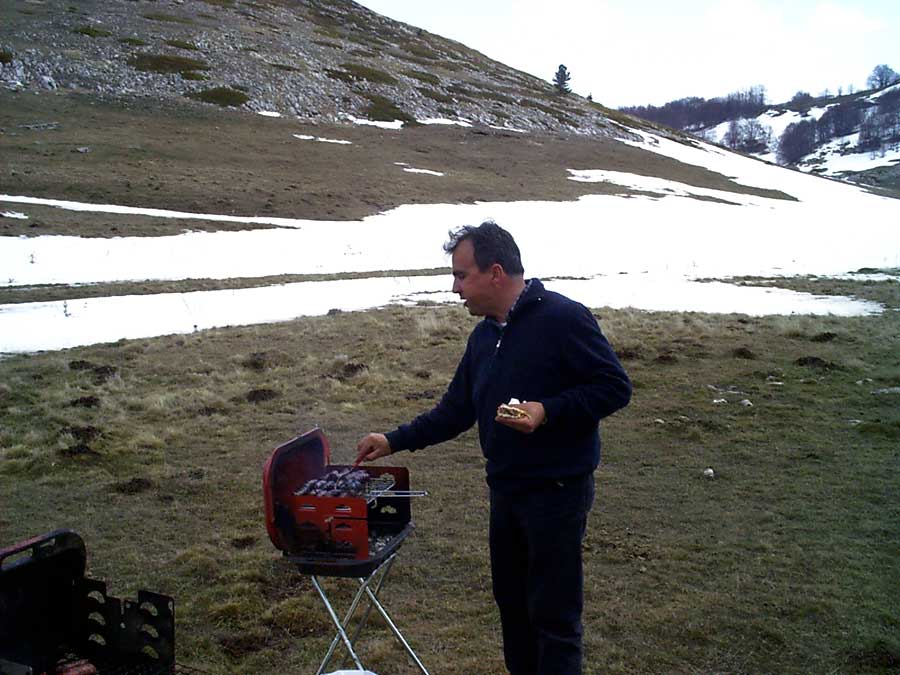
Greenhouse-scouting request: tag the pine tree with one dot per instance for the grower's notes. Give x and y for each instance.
(561, 80)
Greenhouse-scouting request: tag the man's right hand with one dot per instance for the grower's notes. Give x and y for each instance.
(371, 447)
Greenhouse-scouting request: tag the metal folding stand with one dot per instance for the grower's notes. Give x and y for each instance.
(377, 576)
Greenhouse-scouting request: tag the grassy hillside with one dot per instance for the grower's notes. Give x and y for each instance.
(784, 562)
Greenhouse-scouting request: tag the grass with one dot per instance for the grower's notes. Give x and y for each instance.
(422, 51)
(354, 72)
(56, 292)
(167, 18)
(327, 43)
(435, 95)
(92, 31)
(285, 67)
(785, 562)
(328, 32)
(224, 96)
(421, 76)
(182, 44)
(530, 103)
(165, 63)
(382, 109)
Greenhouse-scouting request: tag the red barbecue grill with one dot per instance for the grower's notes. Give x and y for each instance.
(336, 520)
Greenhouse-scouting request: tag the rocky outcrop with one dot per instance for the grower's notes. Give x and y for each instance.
(315, 60)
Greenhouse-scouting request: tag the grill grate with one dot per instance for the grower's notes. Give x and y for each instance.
(378, 487)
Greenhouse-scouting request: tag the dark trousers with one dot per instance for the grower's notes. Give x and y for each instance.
(535, 540)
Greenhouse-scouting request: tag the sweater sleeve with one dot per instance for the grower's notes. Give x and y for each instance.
(601, 386)
(454, 414)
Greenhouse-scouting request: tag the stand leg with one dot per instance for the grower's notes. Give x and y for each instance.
(341, 634)
(365, 582)
(374, 601)
(364, 590)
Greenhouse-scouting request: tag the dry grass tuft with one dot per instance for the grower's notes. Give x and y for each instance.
(223, 96)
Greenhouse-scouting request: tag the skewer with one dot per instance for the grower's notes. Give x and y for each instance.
(402, 493)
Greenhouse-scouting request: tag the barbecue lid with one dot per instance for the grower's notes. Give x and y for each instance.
(290, 464)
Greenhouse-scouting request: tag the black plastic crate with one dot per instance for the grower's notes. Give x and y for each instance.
(50, 613)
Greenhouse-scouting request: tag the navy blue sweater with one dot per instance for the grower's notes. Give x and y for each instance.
(550, 350)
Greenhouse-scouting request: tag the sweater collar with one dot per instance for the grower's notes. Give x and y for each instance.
(532, 292)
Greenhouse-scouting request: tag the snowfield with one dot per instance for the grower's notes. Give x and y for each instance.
(645, 251)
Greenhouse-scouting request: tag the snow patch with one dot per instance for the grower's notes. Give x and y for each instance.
(59, 325)
(446, 122)
(425, 171)
(518, 131)
(395, 124)
(307, 137)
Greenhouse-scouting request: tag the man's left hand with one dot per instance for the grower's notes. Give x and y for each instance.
(528, 424)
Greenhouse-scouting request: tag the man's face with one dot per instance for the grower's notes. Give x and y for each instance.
(475, 287)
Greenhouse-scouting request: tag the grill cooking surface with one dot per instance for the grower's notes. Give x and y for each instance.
(352, 483)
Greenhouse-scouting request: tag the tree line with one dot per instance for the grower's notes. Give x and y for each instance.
(878, 123)
(696, 112)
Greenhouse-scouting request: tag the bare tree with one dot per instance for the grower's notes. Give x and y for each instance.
(694, 112)
(882, 76)
(839, 120)
(756, 136)
(749, 136)
(561, 80)
(732, 137)
(797, 141)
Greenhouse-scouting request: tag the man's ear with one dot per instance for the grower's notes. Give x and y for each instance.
(497, 272)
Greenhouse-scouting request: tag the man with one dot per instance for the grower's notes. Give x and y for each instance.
(547, 351)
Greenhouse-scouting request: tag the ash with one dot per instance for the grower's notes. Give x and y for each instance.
(378, 543)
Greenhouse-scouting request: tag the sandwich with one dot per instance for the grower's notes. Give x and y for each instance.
(507, 412)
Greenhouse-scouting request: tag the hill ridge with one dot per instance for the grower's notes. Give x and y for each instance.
(317, 60)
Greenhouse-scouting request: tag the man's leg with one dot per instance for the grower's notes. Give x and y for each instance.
(509, 569)
(554, 521)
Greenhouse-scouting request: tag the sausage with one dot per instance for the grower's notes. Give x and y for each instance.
(80, 667)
